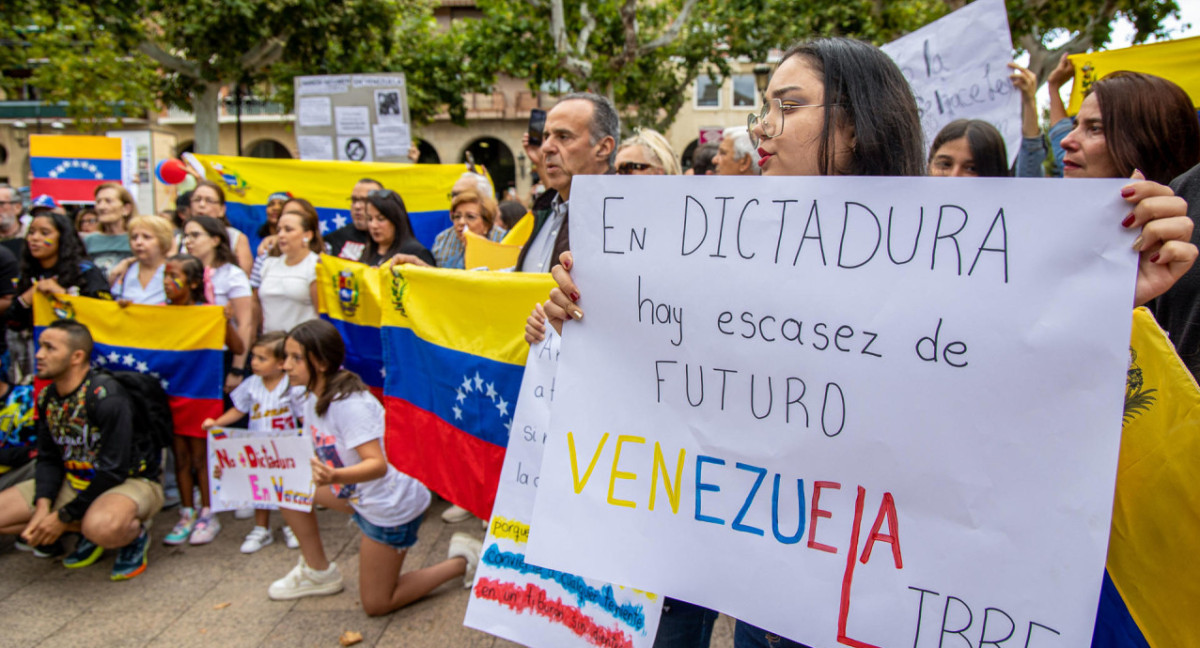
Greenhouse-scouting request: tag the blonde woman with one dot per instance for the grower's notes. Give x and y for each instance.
(139, 279)
(647, 153)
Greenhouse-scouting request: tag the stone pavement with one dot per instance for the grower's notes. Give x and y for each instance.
(214, 595)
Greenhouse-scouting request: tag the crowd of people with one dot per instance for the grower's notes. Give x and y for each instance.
(832, 107)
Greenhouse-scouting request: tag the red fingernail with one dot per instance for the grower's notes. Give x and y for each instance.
(1126, 192)
(574, 296)
(1154, 259)
(1128, 221)
(567, 264)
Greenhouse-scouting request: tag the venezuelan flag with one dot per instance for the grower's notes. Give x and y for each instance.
(179, 345)
(453, 342)
(349, 297)
(1174, 60)
(248, 182)
(70, 167)
(1152, 579)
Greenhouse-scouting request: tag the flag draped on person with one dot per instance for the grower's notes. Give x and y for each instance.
(349, 298)
(1152, 578)
(248, 182)
(1173, 60)
(181, 346)
(453, 343)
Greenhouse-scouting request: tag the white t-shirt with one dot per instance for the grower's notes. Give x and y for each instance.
(129, 287)
(285, 292)
(229, 282)
(389, 501)
(268, 409)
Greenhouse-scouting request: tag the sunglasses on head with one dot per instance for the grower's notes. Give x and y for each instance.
(626, 168)
(382, 194)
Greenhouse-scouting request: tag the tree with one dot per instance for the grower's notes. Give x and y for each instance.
(1036, 23)
(644, 55)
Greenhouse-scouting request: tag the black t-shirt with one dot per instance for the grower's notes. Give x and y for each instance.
(10, 272)
(348, 242)
(1178, 309)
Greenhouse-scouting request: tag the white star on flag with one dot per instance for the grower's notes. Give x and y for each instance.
(467, 387)
(165, 384)
(128, 360)
(461, 396)
(457, 413)
(491, 392)
(155, 374)
(478, 382)
(324, 227)
(339, 221)
(143, 367)
(383, 372)
(503, 407)
(114, 357)
(508, 425)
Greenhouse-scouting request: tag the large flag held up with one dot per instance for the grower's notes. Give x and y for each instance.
(1152, 578)
(1172, 60)
(453, 344)
(350, 299)
(248, 182)
(182, 346)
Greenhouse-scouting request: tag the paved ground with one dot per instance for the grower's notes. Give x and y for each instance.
(215, 596)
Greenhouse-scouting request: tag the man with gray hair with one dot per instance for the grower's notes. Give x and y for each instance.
(10, 214)
(580, 139)
(736, 155)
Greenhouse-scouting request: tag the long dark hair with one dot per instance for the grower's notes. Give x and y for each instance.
(986, 144)
(391, 206)
(223, 253)
(71, 256)
(1149, 124)
(193, 270)
(323, 345)
(865, 90)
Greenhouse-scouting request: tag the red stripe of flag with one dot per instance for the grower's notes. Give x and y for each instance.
(66, 190)
(415, 437)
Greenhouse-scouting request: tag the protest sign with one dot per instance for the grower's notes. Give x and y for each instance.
(260, 469)
(957, 67)
(527, 603)
(857, 411)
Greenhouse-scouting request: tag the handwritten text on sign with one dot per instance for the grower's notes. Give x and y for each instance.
(957, 67)
(861, 410)
(527, 603)
(260, 469)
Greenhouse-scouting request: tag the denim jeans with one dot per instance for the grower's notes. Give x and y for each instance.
(748, 636)
(684, 625)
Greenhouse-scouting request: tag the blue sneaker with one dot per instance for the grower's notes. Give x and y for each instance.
(86, 553)
(131, 560)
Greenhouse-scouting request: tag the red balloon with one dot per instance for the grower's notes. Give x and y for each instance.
(170, 171)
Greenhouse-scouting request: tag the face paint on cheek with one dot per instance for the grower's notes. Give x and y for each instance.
(177, 283)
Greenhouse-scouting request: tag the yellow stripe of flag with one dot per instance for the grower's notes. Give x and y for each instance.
(1174, 60)
(176, 328)
(481, 313)
(75, 146)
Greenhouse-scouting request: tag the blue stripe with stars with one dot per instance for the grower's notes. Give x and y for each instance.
(186, 374)
(473, 394)
(248, 218)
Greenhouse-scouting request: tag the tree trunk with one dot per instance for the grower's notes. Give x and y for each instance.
(206, 106)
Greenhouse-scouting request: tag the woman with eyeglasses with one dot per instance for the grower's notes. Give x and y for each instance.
(841, 107)
(86, 221)
(208, 199)
(469, 212)
(647, 153)
(390, 230)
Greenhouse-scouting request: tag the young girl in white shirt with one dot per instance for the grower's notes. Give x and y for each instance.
(353, 475)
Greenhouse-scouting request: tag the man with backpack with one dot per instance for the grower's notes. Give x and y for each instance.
(96, 473)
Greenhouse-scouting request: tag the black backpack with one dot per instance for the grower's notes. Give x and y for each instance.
(152, 421)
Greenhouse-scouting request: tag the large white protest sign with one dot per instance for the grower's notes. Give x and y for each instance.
(866, 411)
(527, 603)
(957, 67)
(260, 469)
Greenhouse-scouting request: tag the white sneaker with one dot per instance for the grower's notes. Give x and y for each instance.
(455, 514)
(290, 539)
(468, 548)
(304, 581)
(244, 513)
(258, 538)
